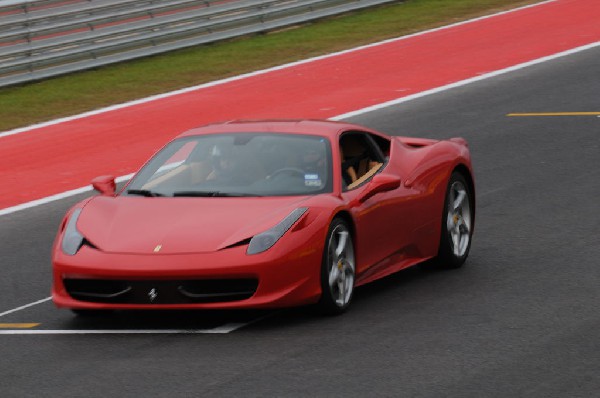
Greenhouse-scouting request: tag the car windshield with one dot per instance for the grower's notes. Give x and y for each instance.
(235, 165)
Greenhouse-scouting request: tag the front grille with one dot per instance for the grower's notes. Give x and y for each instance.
(187, 291)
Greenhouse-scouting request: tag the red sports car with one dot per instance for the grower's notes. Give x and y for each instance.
(260, 214)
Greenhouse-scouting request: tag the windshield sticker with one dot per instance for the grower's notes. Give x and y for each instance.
(312, 180)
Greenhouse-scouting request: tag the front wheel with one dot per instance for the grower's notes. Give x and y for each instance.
(457, 223)
(337, 269)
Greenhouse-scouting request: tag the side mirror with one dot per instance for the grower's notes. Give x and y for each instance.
(105, 185)
(380, 183)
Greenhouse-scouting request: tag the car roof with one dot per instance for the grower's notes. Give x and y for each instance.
(326, 128)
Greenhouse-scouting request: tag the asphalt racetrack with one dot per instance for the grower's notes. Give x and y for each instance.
(520, 319)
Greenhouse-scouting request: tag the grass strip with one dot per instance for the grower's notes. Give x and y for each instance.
(79, 92)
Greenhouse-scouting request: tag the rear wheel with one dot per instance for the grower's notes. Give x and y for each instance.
(337, 269)
(457, 223)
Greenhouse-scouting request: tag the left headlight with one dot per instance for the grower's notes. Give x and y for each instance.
(264, 241)
(72, 239)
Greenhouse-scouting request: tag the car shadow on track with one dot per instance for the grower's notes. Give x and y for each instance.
(191, 320)
(398, 291)
(368, 298)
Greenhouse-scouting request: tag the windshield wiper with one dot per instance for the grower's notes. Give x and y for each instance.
(143, 192)
(213, 194)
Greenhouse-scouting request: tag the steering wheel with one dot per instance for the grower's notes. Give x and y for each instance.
(290, 170)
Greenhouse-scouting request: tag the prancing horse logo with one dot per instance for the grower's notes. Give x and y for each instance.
(152, 294)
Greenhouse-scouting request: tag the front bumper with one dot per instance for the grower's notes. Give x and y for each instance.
(229, 278)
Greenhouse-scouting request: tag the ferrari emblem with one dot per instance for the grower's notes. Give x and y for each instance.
(157, 248)
(152, 294)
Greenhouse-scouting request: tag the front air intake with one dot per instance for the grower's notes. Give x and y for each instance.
(160, 291)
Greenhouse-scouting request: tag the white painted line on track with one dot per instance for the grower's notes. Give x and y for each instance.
(221, 329)
(358, 112)
(25, 306)
(45, 200)
(465, 82)
(56, 197)
(218, 330)
(257, 73)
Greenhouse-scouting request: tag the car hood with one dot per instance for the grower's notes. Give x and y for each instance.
(139, 225)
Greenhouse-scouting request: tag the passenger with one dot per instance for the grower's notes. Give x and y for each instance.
(236, 165)
(223, 162)
(348, 171)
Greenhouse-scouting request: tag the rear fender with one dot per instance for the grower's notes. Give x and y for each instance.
(416, 142)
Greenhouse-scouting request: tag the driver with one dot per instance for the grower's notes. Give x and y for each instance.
(313, 158)
(313, 163)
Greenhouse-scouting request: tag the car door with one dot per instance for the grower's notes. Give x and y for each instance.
(379, 219)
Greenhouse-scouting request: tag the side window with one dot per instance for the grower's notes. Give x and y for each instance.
(383, 144)
(362, 156)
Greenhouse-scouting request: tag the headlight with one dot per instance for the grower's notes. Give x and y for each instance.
(72, 239)
(264, 241)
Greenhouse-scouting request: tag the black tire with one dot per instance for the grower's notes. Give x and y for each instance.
(336, 295)
(457, 223)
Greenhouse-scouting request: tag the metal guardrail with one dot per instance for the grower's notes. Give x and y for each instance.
(46, 38)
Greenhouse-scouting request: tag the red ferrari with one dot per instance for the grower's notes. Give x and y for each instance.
(262, 214)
